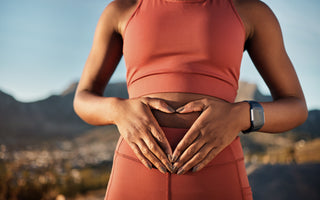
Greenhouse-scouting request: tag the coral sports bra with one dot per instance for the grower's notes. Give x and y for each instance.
(192, 46)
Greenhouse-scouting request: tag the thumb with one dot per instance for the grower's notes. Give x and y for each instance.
(193, 106)
(159, 104)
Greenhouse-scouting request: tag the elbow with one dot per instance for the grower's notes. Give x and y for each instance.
(303, 113)
(79, 112)
(76, 106)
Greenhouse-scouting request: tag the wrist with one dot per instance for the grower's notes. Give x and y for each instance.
(115, 107)
(256, 116)
(243, 115)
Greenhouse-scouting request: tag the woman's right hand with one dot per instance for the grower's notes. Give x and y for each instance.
(140, 129)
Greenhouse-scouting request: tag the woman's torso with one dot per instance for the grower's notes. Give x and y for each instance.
(174, 99)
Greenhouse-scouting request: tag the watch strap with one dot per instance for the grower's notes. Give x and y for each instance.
(256, 116)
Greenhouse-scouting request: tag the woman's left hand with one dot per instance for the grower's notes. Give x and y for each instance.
(216, 127)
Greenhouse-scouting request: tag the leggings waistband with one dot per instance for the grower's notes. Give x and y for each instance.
(231, 153)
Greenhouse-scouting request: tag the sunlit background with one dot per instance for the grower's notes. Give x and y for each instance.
(44, 45)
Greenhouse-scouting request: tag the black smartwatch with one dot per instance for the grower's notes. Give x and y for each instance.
(256, 116)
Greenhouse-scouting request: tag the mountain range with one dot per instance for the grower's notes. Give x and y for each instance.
(50, 118)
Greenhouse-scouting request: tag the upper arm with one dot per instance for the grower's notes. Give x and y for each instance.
(266, 48)
(105, 54)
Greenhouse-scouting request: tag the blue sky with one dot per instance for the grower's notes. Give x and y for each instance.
(45, 43)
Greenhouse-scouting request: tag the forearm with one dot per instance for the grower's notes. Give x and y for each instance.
(280, 115)
(284, 114)
(95, 109)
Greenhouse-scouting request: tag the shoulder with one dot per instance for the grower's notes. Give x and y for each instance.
(253, 6)
(116, 12)
(256, 15)
(122, 5)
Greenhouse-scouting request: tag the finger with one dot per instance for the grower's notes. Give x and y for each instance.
(188, 154)
(195, 131)
(159, 104)
(202, 156)
(149, 155)
(210, 156)
(193, 106)
(155, 149)
(140, 156)
(161, 138)
(155, 130)
(185, 142)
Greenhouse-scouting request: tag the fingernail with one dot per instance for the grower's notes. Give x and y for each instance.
(174, 158)
(170, 168)
(181, 171)
(180, 109)
(149, 166)
(170, 109)
(174, 168)
(194, 169)
(163, 170)
(169, 157)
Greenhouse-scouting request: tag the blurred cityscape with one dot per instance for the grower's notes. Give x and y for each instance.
(48, 172)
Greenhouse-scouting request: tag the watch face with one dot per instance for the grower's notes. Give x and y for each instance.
(257, 117)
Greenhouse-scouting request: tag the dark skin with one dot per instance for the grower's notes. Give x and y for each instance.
(139, 120)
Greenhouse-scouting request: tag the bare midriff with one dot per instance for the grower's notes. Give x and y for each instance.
(176, 100)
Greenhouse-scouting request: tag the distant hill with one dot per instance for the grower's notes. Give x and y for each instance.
(249, 91)
(54, 117)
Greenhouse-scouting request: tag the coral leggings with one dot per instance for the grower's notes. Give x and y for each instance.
(224, 178)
